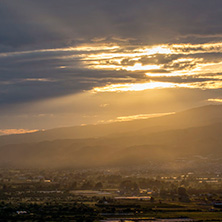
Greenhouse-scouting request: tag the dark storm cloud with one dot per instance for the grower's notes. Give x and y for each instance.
(43, 23)
(29, 25)
(34, 75)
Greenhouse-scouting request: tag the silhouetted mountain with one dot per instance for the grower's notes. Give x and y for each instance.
(164, 146)
(191, 118)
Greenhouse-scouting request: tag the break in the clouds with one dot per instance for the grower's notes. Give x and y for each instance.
(55, 49)
(36, 74)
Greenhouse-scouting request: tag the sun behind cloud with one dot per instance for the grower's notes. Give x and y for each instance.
(133, 87)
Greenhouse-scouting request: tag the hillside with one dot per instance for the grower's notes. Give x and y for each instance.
(190, 118)
(164, 146)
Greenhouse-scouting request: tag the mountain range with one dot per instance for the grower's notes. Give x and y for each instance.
(184, 135)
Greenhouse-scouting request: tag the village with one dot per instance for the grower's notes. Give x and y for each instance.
(109, 194)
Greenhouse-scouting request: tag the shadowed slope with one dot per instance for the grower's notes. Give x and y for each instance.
(191, 118)
(162, 146)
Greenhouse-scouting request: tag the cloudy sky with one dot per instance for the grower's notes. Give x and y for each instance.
(72, 62)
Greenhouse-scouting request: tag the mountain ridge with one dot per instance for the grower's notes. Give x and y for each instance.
(108, 151)
(199, 116)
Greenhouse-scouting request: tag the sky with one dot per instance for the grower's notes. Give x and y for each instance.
(74, 62)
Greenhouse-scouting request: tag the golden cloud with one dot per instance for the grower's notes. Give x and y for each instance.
(16, 131)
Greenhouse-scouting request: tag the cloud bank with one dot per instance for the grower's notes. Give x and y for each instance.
(55, 49)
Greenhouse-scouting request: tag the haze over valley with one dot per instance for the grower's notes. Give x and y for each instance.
(194, 133)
